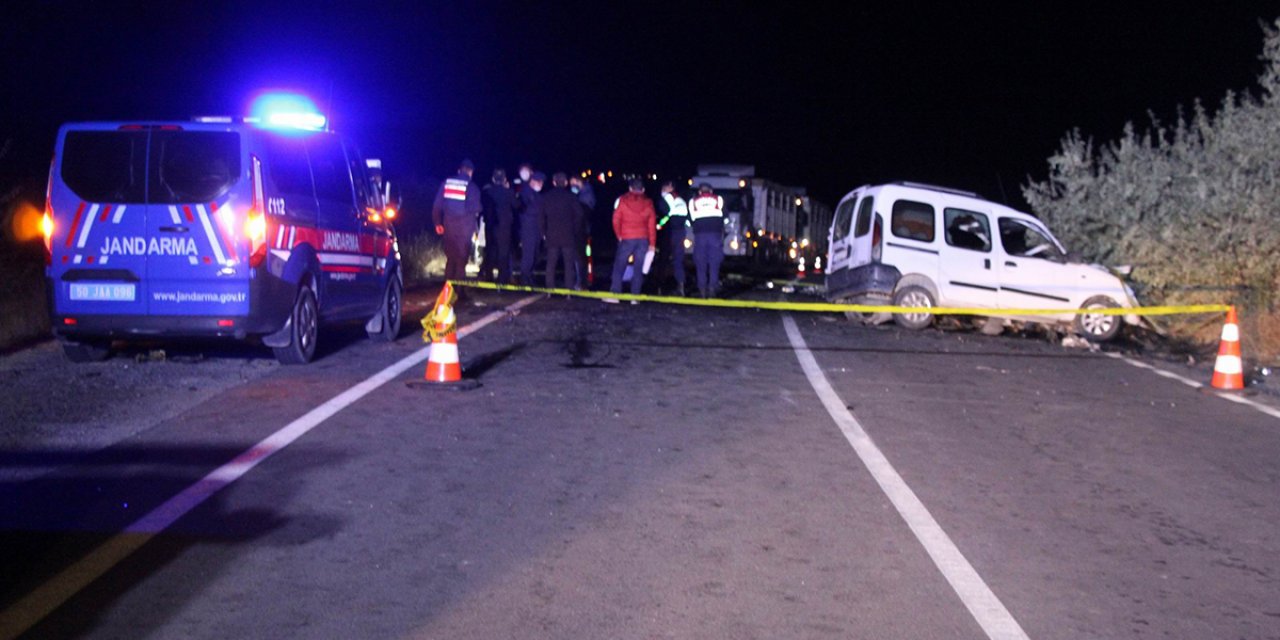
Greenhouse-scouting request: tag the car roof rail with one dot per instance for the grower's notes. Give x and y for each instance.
(934, 187)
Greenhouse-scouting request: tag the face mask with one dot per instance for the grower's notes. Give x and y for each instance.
(574, 189)
(524, 174)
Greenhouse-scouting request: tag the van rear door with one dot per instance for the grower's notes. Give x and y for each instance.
(97, 196)
(198, 196)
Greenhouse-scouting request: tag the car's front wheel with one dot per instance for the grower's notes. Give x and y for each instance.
(914, 296)
(304, 330)
(1097, 327)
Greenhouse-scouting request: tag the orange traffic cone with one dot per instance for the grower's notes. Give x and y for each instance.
(443, 365)
(1228, 369)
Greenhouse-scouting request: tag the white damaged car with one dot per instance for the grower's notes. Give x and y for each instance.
(924, 246)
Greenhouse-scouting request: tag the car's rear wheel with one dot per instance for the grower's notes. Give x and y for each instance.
(304, 330)
(914, 296)
(391, 303)
(1096, 327)
(87, 351)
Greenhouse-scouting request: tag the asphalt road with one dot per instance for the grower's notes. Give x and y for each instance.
(642, 472)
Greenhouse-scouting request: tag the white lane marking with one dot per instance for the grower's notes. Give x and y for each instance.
(42, 601)
(977, 597)
(88, 224)
(1258, 406)
(115, 219)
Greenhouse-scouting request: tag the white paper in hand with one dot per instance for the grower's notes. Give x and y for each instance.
(648, 261)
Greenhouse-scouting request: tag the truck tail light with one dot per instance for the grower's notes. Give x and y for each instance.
(255, 223)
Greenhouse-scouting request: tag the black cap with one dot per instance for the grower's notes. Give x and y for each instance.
(559, 179)
(704, 188)
(539, 176)
(637, 184)
(466, 165)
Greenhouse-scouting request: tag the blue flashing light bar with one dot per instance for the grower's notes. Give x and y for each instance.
(287, 111)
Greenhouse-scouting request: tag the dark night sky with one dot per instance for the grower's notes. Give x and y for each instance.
(826, 98)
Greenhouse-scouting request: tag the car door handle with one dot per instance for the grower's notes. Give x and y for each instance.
(986, 264)
(1009, 263)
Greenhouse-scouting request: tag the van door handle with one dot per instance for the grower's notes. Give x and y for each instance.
(1009, 263)
(986, 263)
(173, 229)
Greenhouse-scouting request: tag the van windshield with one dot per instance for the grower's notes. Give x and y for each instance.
(185, 166)
(192, 166)
(106, 166)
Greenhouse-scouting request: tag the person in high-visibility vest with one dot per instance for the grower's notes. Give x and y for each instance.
(455, 212)
(706, 212)
(674, 211)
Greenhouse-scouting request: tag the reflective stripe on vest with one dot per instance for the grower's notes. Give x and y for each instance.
(677, 205)
(707, 207)
(455, 189)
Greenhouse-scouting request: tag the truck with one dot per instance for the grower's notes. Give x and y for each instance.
(767, 224)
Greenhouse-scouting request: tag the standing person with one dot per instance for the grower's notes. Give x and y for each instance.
(675, 212)
(634, 222)
(455, 211)
(531, 225)
(562, 215)
(587, 197)
(523, 173)
(499, 204)
(707, 214)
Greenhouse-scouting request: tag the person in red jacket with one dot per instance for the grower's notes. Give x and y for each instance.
(635, 224)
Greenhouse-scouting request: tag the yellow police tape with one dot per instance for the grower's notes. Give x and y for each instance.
(830, 307)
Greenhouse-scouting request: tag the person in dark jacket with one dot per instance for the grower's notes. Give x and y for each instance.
(531, 225)
(586, 196)
(499, 204)
(454, 212)
(562, 228)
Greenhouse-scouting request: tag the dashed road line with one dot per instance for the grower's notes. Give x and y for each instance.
(973, 591)
(42, 601)
(1230, 397)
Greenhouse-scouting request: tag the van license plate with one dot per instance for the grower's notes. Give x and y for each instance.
(110, 292)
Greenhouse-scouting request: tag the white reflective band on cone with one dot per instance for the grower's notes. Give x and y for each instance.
(445, 352)
(1230, 333)
(1229, 365)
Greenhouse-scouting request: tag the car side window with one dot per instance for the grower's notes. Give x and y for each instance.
(1025, 241)
(913, 221)
(865, 212)
(360, 177)
(967, 229)
(288, 170)
(844, 217)
(329, 169)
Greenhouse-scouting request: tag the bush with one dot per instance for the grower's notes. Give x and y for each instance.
(1190, 205)
(422, 256)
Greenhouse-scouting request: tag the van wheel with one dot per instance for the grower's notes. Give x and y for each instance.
(390, 312)
(1096, 327)
(913, 296)
(305, 329)
(92, 351)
